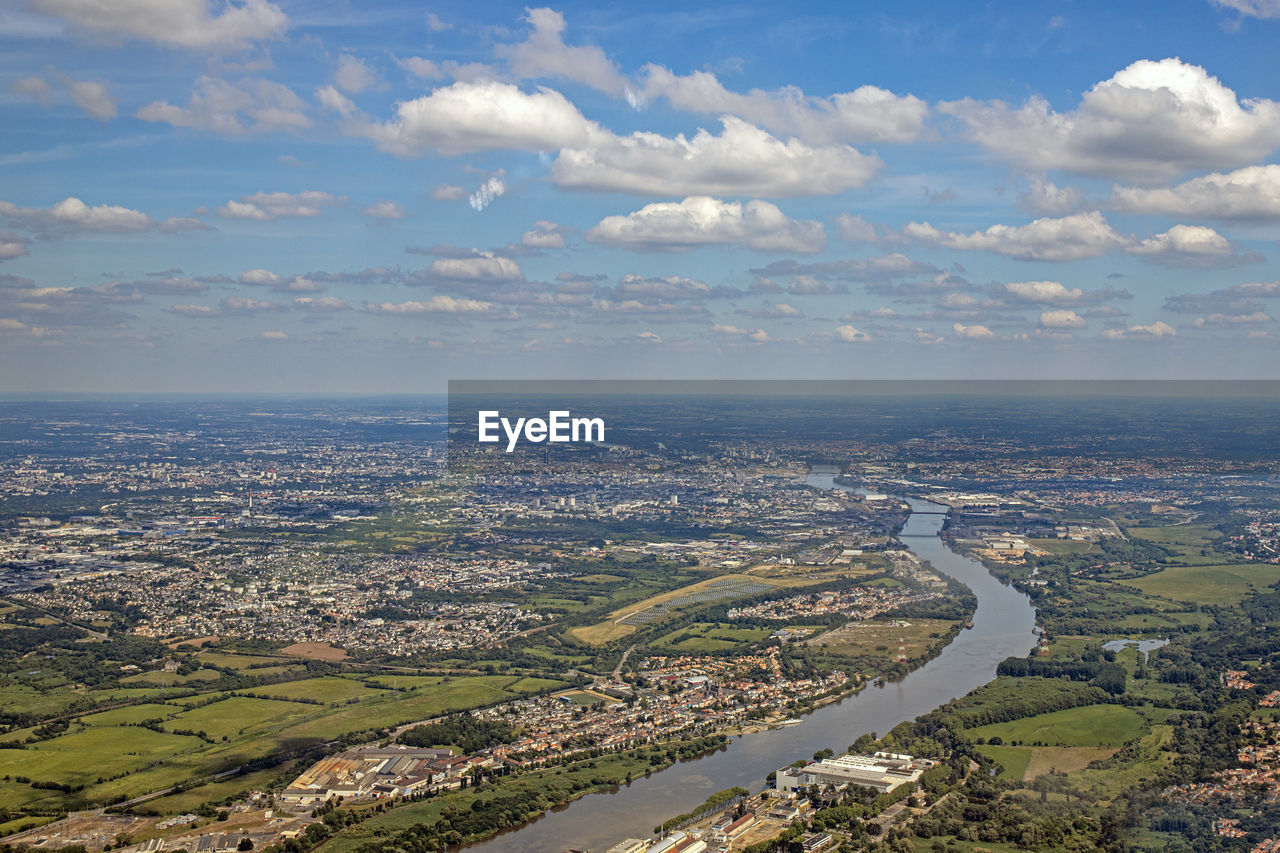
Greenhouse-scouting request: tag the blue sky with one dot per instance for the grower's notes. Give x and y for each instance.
(277, 196)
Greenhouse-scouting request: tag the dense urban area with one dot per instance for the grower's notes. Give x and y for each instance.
(320, 625)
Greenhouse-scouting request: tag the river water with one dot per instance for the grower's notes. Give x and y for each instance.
(1002, 627)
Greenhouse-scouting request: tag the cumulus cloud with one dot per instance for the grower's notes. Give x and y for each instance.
(481, 115)
(354, 75)
(1252, 8)
(12, 246)
(260, 277)
(482, 268)
(265, 207)
(1053, 293)
(195, 310)
(384, 209)
(248, 305)
(1150, 121)
(438, 304)
(1081, 235)
(334, 101)
(1050, 199)
(232, 109)
(867, 114)
(274, 335)
(72, 216)
(807, 285)
(35, 87)
(1237, 300)
(704, 221)
(543, 235)
(448, 192)
(1151, 331)
(755, 336)
(1253, 318)
(1249, 193)
(544, 54)
(674, 288)
(742, 160)
(851, 335)
(321, 304)
(973, 333)
(420, 67)
(189, 24)
(1192, 246)
(89, 95)
(1061, 318)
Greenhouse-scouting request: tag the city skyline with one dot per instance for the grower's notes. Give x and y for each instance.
(272, 196)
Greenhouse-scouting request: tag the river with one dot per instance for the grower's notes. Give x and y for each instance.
(1002, 627)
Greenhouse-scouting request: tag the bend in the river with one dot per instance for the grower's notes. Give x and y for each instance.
(1002, 627)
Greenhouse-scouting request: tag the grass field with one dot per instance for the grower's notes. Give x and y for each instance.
(1061, 546)
(1013, 760)
(131, 714)
(711, 636)
(1024, 763)
(326, 689)
(239, 716)
(1194, 535)
(1089, 725)
(1212, 584)
(82, 757)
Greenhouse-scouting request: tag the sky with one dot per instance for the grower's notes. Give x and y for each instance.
(258, 196)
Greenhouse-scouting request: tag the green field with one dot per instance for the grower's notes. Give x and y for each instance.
(129, 715)
(326, 689)
(238, 716)
(711, 637)
(1090, 725)
(1013, 760)
(81, 758)
(1213, 584)
(1195, 535)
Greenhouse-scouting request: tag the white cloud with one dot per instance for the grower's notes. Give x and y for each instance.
(11, 246)
(274, 335)
(1081, 235)
(1061, 318)
(34, 87)
(544, 54)
(265, 207)
(1249, 193)
(481, 268)
(174, 23)
(421, 68)
(867, 114)
(231, 109)
(1150, 121)
(543, 235)
(703, 221)
(260, 277)
(384, 209)
(742, 160)
(1048, 198)
(248, 305)
(195, 310)
(852, 335)
(439, 304)
(1151, 331)
(755, 336)
(354, 75)
(1251, 319)
(973, 333)
(334, 101)
(483, 115)
(321, 304)
(448, 192)
(71, 215)
(89, 95)
(855, 229)
(435, 24)
(1054, 293)
(1189, 239)
(1252, 8)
